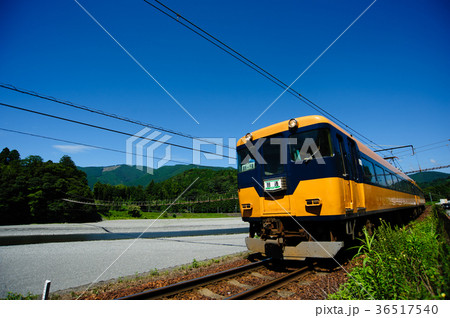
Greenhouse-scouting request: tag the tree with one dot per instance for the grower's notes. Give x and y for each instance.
(32, 190)
(4, 155)
(67, 162)
(7, 156)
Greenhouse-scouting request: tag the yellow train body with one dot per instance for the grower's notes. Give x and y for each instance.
(303, 201)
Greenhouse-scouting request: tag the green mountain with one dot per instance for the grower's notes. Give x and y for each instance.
(131, 176)
(203, 190)
(428, 177)
(435, 185)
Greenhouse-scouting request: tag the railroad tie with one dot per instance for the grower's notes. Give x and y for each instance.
(256, 274)
(208, 293)
(240, 285)
(285, 293)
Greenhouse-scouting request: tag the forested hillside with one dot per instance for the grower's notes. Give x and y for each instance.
(436, 184)
(132, 176)
(439, 189)
(31, 190)
(214, 190)
(424, 179)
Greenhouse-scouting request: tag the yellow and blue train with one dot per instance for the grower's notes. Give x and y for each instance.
(306, 186)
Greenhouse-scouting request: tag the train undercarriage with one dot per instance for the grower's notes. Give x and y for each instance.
(293, 239)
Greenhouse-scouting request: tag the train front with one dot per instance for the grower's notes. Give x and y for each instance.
(288, 189)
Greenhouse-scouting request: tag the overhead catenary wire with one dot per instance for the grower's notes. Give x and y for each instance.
(226, 48)
(103, 113)
(84, 144)
(433, 143)
(427, 145)
(110, 130)
(423, 150)
(428, 169)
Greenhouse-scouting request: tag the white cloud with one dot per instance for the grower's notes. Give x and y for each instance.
(71, 148)
(433, 161)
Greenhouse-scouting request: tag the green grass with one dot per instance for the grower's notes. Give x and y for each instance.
(16, 296)
(124, 215)
(406, 263)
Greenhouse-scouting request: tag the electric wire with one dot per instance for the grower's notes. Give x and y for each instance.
(85, 145)
(226, 48)
(110, 129)
(416, 152)
(428, 169)
(102, 113)
(427, 145)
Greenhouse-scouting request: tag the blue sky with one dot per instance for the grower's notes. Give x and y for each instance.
(387, 77)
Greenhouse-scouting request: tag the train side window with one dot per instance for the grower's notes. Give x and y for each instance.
(416, 190)
(396, 184)
(402, 185)
(381, 178)
(368, 170)
(389, 179)
(399, 184)
(410, 188)
(407, 184)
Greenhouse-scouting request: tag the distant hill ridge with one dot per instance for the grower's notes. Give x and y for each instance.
(132, 176)
(429, 176)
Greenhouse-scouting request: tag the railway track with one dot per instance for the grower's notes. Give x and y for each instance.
(182, 290)
(271, 285)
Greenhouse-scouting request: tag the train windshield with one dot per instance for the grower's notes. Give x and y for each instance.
(310, 145)
(246, 160)
(275, 163)
(277, 151)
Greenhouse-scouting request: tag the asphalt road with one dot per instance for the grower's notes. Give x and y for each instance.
(24, 268)
(122, 226)
(118, 230)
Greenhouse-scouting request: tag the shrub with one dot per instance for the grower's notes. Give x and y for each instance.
(16, 296)
(134, 211)
(406, 263)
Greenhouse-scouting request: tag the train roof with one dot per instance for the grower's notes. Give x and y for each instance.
(316, 119)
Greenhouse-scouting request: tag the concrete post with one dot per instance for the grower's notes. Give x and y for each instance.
(46, 290)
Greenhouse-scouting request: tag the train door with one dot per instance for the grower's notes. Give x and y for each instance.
(348, 202)
(355, 174)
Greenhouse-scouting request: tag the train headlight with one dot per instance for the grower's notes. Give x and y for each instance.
(248, 137)
(292, 124)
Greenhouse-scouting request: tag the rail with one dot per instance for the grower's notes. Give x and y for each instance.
(193, 283)
(264, 289)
